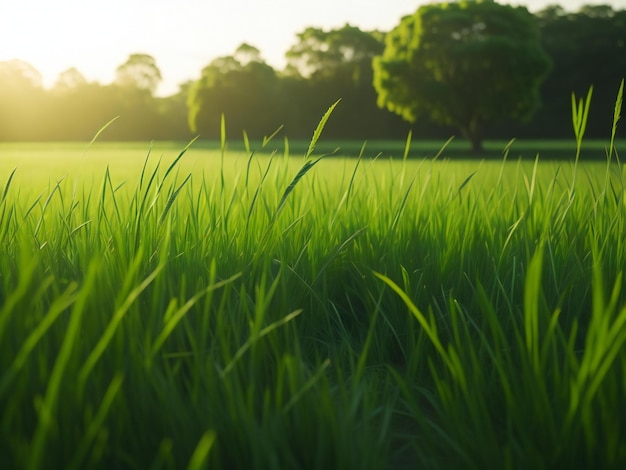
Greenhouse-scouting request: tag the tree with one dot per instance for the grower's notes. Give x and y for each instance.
(327, 65)
(321, 53)
(70, 79)
(465, 64)
(21, 99)
(247, 54)
(139, 71)
(243, 88)
(587, 48)
(19, 74)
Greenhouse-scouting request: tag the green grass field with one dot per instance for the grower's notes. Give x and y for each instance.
(233, 309)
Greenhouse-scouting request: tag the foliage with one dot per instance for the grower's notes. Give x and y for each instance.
(241, 87)
(74, 109)
(15, 74)
(140, 71)
(21, 93)
(69, 79)
(348, 51)
(465, 64)
(587, 49)
(324, 66)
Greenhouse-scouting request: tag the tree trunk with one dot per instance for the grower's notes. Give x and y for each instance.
(477, 144)
(473, 133)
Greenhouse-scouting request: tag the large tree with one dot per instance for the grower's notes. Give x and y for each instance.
(140, 71)
(320, 53)
(21, 99)
(326, 65)
(70, 79)
(243, 88)
(464, 64)
(587, 48)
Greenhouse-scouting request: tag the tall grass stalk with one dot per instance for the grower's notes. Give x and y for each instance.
(580, 114)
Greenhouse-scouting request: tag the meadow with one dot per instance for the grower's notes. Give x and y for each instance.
(170, 307)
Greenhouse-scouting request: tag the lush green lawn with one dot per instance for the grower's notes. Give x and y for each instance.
(260, 311)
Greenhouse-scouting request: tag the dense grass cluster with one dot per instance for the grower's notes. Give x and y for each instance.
(263, 311)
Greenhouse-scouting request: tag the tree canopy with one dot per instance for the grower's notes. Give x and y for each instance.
(320, 53)
(588, 48)
(464, 69)
(139, 71)
(21, 93)
(242, 87)
(326, 65)
(464, 64)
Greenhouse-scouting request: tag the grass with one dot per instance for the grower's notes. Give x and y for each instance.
(228, 309)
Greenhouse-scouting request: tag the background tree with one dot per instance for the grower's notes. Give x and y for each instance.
(69, 79)
(587, 48)
(243, 88)
(140, 71)
(464, 64)
(458, 60)
(173, 115)
(19, 74)
(324, 66)
(136, 80)
(78, 112)
(320, 53)
(22, 99)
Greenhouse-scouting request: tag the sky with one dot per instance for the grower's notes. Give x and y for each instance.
(184, 36)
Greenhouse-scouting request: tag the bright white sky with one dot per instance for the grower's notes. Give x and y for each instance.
(96, 36)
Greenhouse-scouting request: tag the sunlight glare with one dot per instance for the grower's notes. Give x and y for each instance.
(53, 39)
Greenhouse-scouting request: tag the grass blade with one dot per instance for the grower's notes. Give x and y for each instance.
(320, 128)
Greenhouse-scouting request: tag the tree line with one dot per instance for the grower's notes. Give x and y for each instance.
(574, 51)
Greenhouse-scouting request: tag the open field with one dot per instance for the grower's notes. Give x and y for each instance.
(224, 310)
(562, 150)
